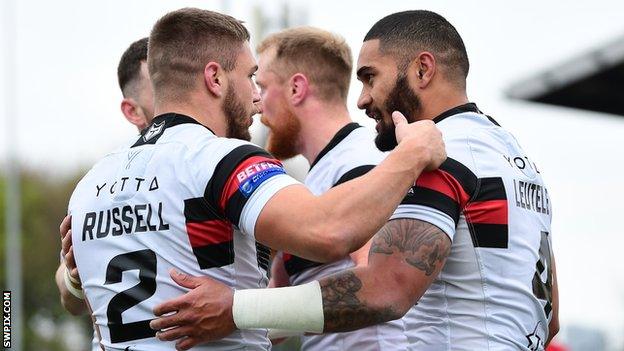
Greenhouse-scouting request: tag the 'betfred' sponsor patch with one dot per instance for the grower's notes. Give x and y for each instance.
(250, 178)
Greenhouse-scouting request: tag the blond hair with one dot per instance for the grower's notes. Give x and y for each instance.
(323, 57)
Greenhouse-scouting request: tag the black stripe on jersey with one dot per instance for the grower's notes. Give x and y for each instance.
(340, 135)
(490, 189)
(469, 107)
(434, 199)
(198, 210)
(157, 128)
(296, 265)
(234, 207)
(131, 331)
(354, 173)
(489, 235)
(548, 308)
(492, 120)
(224, 170)
(263, 254)
(215, 255)
(462, 174)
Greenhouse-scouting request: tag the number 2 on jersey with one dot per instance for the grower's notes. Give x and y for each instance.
(145, 262)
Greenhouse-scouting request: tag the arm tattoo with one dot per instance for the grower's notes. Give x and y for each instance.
(343, 310)
(423, 245)
(420, 244)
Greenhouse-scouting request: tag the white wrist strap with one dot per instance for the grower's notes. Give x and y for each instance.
(72, 285)
(293, 308)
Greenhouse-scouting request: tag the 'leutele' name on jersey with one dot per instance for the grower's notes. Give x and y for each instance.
(123, 220)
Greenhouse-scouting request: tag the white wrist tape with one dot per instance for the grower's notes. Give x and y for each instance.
(75, 281)
(73, 288)
(293, 308)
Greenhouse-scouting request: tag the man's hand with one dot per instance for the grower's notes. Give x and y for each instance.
(67, 249)
(425, 136)
(203, 314)
(71, 302)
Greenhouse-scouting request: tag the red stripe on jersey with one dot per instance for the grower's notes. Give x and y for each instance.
(487, 212)
(444, 183)
(209, 232)
(232, 183)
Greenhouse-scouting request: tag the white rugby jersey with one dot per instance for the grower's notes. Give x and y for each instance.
(181, 198)
(350, 154)
(494, 292)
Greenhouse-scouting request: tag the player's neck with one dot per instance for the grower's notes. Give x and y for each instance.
(319, 126)
(440, 102)
(208, 114)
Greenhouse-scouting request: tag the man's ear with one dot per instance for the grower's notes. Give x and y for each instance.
(214, 78)
(423, 69)
(299, 88)
(133, 113)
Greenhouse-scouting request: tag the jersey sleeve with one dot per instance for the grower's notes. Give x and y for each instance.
(243, 182)
(439, 197)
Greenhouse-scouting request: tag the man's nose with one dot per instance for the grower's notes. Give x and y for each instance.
(364, 100)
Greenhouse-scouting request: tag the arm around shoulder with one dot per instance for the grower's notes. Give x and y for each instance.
(330, 226)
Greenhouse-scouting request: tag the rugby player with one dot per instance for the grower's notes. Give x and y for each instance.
(474, 267)
(192, 194)
(304, 76)
(137, 107)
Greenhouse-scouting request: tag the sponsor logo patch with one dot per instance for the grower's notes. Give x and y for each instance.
(250, 178)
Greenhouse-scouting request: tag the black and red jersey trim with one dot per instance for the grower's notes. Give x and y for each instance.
(454, 189)
(447, 189)
(230, 202)
(434, 199)
(462, 174)
(210, 236)
(487, 214)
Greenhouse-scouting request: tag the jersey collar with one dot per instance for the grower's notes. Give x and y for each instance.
(338, 137)
(151, 133)
(174, 119)
(469, 107)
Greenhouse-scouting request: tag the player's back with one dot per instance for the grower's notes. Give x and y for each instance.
(141, 211)
(494, 292)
